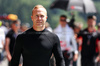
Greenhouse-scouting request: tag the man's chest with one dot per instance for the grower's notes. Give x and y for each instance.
(37, 44)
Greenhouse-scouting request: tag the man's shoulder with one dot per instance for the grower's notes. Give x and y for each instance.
(26, 32)
(84, 31)
(10, 33)
(51, 34)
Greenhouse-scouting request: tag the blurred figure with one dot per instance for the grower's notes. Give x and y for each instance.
(77, 29)
(7, 25)
(98, 27)
(2, 41)
(67, 41)
(96, 41)
(24, 27)
(85, 37)
(47, 26)
(3, 26)
(72, 20)
(10, 39)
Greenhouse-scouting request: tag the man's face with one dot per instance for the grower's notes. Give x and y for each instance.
(16, 26)
(39, 17)
(91, 23)
(62, 21)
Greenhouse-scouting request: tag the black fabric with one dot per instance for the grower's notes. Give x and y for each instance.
(94, 43)
(88, 47)
(0, 56)
(87, 62)
(12, 37)
(36, 48)
(62, 4)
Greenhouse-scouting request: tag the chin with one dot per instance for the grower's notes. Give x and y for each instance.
(39, 25)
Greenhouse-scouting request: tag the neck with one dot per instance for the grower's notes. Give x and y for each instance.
(91, 29)
(63, 26)
(38, 28)
(16, 31)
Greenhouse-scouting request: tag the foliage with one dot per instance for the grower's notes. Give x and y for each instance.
(23, 8)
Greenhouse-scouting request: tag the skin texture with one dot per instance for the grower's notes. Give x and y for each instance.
(63, 23)
(91, 24)
(39, 18)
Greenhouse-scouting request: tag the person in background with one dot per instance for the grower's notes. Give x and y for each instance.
(10, 39)
(77, 29)
(37, 44)
(3, 26)
(2, 41)
(47, 26)
(96, 41)
(24, 27)
(88, 48)
(67, 41)
(72, 20)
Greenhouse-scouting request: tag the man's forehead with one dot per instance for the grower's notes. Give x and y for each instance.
(40, 10)
(91, 20)
(62, 18)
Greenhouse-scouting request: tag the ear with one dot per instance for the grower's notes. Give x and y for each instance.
(46, 17)
(32, 18)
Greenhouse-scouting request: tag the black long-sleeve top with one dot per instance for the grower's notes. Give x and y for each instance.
(88, 46)
(36, 48)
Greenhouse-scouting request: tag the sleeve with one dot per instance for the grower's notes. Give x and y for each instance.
(58, 53)
(8, 35)
(74, 44)
(17, 52)
(80, 34)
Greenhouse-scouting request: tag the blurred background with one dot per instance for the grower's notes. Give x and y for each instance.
(11, 10)
(23, 9)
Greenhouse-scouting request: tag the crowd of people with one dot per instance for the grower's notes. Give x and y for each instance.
(40, 45)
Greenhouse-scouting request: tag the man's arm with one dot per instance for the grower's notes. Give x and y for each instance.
(7, 49)
(17, 51)
(58, 53)
(74, 44)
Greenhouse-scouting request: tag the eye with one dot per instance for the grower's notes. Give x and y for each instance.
(42, 16)
(36, 15)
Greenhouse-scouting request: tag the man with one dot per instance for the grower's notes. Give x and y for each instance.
(37, 44)
(96, 42)
(67, 41)
(88, 48)
(10, 39)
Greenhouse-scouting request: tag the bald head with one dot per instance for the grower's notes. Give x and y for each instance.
(39, 7)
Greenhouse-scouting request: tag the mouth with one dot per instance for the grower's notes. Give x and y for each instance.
(39, 21)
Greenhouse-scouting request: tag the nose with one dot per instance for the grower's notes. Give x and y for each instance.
(39, 18)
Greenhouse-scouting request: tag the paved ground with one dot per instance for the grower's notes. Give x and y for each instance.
(4, 62)
(79, 60)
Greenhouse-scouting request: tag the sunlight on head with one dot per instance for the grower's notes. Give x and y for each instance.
(37, 7)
